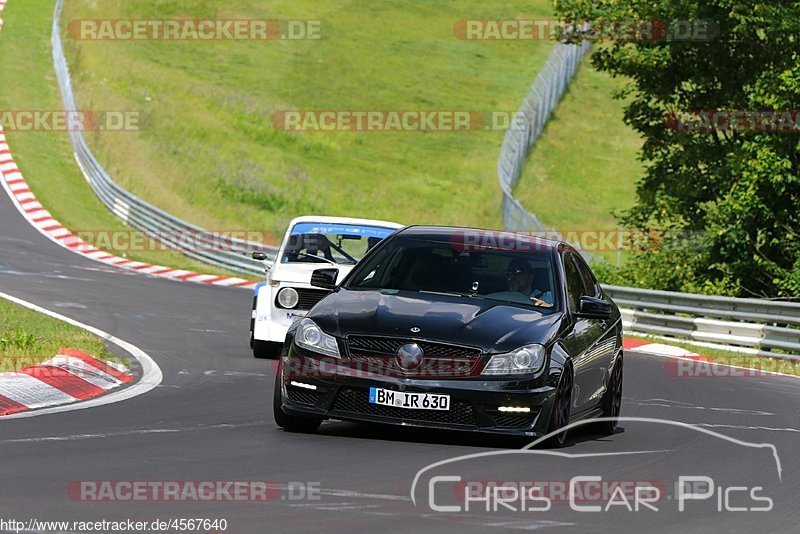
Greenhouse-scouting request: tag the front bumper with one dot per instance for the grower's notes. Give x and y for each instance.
(269, 322)
(344, 395)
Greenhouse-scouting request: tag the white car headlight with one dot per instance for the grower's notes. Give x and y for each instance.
(288, 297)
(311, 337)
(524, 360)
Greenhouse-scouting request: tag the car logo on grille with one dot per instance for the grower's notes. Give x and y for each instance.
(415, 329)
(409, 356)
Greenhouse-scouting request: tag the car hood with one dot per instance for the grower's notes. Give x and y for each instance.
(491, 325)
(300, 273)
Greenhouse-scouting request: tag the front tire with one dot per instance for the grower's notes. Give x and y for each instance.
(292, 423)
(268, 350)
(559, 417)
(612, 400)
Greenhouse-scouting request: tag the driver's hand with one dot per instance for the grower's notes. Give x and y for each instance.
(540, 302)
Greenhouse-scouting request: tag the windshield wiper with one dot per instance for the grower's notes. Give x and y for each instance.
(307, 255)
(448, 293)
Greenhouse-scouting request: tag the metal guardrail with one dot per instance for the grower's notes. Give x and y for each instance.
(195, 242)
(544, 95)
(764, 325)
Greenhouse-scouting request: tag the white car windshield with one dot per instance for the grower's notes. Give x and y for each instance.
(334, 243)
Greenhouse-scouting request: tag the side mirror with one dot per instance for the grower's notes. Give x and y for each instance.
(324, 278)
(262, 256)
(594, 308)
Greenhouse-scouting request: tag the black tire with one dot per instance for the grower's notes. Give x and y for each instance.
(559, 416)
(269, 350)
(612, 400)
(253, 323)
(292, 423)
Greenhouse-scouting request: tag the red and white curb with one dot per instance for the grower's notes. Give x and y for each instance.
(659, 349)
(59, 383)
(17, 188)
(68, 377)
(23, 198)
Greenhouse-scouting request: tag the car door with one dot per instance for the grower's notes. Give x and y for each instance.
(601, 354)
(584, 341)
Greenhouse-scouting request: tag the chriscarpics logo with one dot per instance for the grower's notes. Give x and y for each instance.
(665, 469)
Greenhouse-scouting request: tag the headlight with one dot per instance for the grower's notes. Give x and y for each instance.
(288, 297)
(524, 360)
(309, 336)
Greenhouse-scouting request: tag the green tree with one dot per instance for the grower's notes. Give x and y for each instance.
(736, 193)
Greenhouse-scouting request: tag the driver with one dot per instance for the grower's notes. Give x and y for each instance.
(519, 277)
(316, 243)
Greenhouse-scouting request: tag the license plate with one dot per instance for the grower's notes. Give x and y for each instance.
(417, 401)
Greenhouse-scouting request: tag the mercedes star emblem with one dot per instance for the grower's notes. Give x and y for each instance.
(409, 356)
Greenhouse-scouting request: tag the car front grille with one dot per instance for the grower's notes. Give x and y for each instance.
(377, 354)
(303, 396)
(356, 401)
(513, 420)
(307, 298)
(369, 345)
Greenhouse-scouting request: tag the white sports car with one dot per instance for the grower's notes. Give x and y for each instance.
(310, 243)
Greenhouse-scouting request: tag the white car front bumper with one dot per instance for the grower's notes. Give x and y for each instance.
(271, 321)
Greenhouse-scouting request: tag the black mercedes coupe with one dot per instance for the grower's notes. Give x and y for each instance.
(456, 328)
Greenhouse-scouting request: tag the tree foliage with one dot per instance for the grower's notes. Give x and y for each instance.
(736, 193)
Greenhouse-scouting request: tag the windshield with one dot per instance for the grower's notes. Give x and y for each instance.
(331, 243)
(413, 264)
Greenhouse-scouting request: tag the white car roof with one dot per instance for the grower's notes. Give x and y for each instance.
(343, 220)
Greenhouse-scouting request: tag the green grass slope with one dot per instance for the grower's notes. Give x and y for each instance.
(207, 149)
(585, 163)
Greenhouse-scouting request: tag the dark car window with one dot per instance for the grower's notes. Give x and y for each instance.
(416, 264)
(589, 281)
(576, 288)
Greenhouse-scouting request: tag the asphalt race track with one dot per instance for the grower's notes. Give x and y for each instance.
(210, 420)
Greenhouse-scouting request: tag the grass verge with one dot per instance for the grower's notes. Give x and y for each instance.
(584, 167)
(28, 338)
